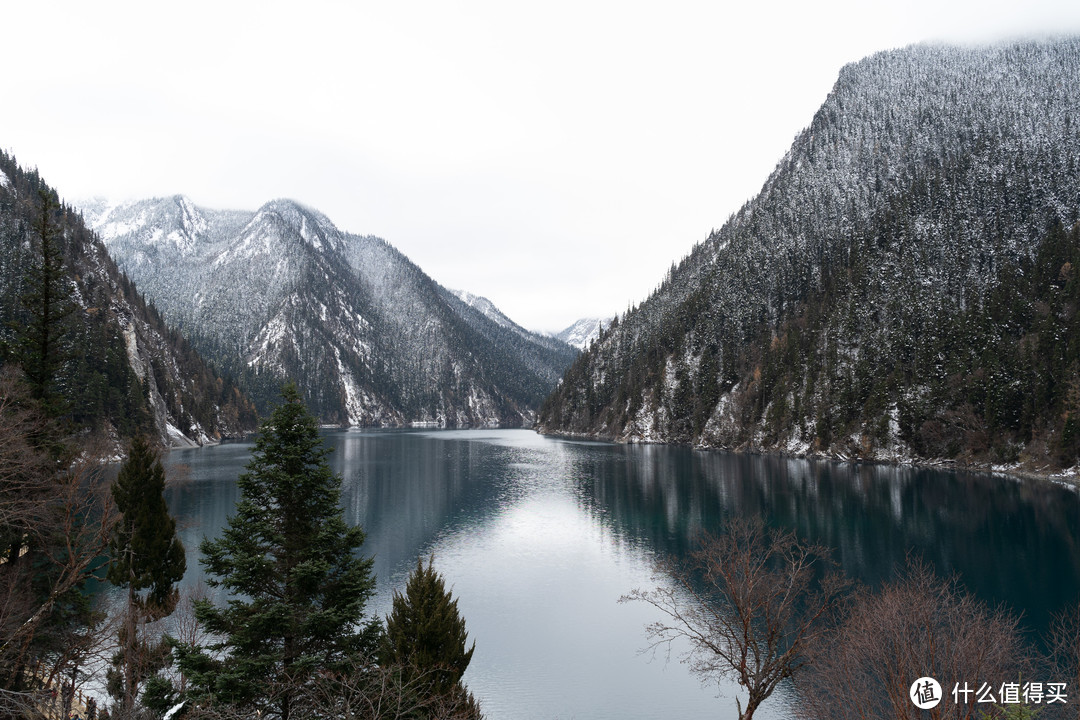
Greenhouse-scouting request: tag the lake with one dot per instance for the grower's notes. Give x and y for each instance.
(540, 537)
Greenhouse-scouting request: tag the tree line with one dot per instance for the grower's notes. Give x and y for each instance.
(900, 287)
(72, 321)
(294, 637)
(292, 641)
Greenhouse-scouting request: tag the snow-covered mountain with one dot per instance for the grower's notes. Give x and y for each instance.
(480, 306)
(281, 292)
(901, 287)
(485, 307)
(583, 332)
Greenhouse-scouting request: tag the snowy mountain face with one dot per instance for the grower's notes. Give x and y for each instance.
(583, 332)
(484, 317)
(485, 307)
(876, 299)
(282, 293)
(126, 373)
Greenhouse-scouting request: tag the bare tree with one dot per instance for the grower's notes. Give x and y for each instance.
(56, 515)
(754, 606)
(80, 517)
(1064, 645)
(916, 626)
(365, 692)
(26, 472)
(186, 628)
(387, 692)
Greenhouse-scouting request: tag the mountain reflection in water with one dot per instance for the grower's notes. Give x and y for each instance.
(539, 538)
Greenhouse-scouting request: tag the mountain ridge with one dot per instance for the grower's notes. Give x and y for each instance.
(822, 318)
(583, 331)
(281, 292)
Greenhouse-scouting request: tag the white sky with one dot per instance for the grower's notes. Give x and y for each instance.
(555, 157)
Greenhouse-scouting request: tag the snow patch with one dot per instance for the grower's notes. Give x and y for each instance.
(353, 406)
(177, 438)
(269, 338)
(116, 228)
(308, 236)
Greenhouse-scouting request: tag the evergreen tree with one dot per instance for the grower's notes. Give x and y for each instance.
(425, 634)
(288, 559)
(147, 557)
(48, 306)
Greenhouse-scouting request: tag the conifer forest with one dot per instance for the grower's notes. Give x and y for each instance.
(903, 291)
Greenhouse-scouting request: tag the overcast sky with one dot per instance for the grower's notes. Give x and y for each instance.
(555, 157)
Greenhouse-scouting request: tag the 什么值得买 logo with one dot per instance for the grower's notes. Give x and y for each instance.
(925, 693)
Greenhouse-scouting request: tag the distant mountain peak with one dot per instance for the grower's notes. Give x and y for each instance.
(282, 292)
(484, 305)
(312, 226)
(583, 331)
(192, 220)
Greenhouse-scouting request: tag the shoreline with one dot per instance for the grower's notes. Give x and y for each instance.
(1069, 478)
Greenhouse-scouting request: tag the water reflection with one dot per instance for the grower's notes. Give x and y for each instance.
(1012, 542)
(540, 537)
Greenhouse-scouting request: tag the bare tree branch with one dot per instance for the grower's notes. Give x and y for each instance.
(754, 606)
(916, 626)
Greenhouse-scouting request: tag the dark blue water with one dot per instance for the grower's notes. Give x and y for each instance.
(540, 538)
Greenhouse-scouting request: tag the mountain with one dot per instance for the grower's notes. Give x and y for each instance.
(902, 287)
(487, 308)
(281, 292)
(583, 332)
(119, 369)
(544, 359)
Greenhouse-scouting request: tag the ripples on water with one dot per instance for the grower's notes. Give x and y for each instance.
(539, 538)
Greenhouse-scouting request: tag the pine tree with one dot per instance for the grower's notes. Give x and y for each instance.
(288, 559)
(48, 306)
(425, 634)
(147, 557)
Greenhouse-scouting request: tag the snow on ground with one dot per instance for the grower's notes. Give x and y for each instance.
(177, 438)
(353, 405)
(108, 230)
(268, 339)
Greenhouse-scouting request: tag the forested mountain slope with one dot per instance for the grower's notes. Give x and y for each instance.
(114, 366)
(282, 293)
(903, 286)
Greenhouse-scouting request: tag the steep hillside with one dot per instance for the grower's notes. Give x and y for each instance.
(119, 369)
(545, 358)
(371, 339)
(876, 298)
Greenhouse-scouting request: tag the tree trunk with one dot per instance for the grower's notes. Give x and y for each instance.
(751, 707)
(129, 652)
